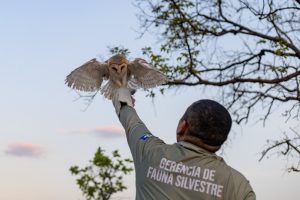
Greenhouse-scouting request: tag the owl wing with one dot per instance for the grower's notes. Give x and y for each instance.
(145, 75)
(88, 77)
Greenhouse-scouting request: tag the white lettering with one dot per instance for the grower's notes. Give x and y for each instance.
(205, 174)
(214, 188)
(208, 186)
(219, 192)
(153, 174)
(212, 175)
(149, 171)
(202, 186)
(188, 177)
(168, 164)
(198, 172)
(191, 183)
(160, 175)
(164, 176)
(173, 166)
(170, 179)
(196, 186)
(178, 180)
(179, 167)
(162, 163)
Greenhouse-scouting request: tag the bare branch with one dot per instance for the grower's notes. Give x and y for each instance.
(88, 98)
(253, 55)
(290, 148)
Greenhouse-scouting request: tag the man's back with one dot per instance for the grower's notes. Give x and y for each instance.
(181, 170)
(185, 171)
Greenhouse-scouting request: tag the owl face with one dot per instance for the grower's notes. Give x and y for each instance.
(119, 69)
(118, 65)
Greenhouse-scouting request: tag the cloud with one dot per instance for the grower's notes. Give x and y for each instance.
(24, 150)
(107, 131)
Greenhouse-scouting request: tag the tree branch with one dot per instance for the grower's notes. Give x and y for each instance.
(236, 80)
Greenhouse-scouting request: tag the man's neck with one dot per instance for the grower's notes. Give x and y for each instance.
(198, 142)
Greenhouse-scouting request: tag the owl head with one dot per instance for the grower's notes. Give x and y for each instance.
(117, 64)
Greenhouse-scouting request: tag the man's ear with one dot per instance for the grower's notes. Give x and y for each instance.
(181, 129)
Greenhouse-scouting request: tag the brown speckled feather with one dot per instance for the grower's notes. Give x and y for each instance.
(145, 75)
(88, 77)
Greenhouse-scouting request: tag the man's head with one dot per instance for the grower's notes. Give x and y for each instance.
(205, 123)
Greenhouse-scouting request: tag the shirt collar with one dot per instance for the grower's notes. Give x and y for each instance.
(198, 149)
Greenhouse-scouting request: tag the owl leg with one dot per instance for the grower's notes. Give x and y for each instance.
(132, 91)
(118, 83)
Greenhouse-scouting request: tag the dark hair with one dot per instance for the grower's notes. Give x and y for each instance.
(209, 121)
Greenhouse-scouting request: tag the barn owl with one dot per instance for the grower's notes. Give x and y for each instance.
(118, 71)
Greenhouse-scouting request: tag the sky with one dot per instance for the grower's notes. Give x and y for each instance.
(43, 128)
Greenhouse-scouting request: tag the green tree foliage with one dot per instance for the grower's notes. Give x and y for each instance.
(103, 177)
(249, 49)
(119, 50)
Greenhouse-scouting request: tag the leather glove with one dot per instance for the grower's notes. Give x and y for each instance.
(122, 96)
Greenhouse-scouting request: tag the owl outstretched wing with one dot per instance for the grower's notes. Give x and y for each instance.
(145, 75)
(88, 77)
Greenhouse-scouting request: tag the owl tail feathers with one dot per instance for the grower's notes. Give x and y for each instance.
(108, 90)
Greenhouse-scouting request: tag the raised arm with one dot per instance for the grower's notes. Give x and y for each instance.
(139, 138)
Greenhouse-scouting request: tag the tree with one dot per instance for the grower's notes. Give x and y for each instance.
(258, 67)
(103, 177)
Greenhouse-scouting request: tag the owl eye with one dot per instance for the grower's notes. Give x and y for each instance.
(114, 68)
(122, 67)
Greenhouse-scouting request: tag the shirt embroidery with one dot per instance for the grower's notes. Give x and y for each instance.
(145, 137)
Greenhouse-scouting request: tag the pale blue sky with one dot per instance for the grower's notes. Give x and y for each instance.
(40, 43)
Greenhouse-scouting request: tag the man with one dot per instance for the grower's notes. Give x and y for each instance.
(188, 169)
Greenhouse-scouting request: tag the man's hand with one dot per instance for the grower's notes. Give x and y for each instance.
(122, 96)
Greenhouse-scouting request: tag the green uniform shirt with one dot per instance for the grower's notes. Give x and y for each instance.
(181, 170)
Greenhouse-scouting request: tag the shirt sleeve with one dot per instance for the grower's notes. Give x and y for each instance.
(238, 187)
(250, 196)
(139, 138)
(245, 191)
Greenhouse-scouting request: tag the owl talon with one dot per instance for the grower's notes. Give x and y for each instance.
(132, 91)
